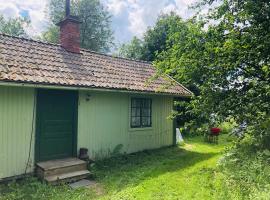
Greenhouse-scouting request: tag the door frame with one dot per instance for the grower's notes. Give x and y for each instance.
(38, 124)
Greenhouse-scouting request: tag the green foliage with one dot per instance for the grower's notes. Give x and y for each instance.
(95, 30)
(51, 35)
(13, 26)
(133, 50)
(33, 189)
(247, 172)
(154, 40)
(227, 126)
(227, 63)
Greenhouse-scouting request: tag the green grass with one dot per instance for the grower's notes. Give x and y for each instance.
(182, 172)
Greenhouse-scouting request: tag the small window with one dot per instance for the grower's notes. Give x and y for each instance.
(141, 111)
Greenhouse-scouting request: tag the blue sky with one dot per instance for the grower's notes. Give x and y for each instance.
(129, 17)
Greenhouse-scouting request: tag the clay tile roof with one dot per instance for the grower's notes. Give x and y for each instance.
(28, 61)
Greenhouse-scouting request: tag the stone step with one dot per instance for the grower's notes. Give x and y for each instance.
(67, 177)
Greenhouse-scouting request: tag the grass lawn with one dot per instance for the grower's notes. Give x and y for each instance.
(183, 172)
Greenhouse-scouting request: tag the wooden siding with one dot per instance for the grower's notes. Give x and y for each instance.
(16, 111)
(103, 124)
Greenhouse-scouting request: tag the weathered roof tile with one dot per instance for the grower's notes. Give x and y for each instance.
(29, 61)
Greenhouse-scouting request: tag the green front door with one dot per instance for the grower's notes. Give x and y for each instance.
(56, 124)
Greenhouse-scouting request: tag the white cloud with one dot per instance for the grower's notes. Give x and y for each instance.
(116, 6)
(8, 10)
(169, 8)
(143, 14)
(38, 22)
(34, 8)
(182, 8)
(130, 17)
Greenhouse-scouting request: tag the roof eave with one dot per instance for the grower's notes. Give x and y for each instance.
(87, 88)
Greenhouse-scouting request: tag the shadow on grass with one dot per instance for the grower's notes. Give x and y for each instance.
(121, 172)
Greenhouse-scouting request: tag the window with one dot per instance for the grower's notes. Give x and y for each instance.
(141, 111)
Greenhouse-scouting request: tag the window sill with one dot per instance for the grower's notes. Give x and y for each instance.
(141, 129)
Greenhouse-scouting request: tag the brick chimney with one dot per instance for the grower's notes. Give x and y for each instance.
(70, 31)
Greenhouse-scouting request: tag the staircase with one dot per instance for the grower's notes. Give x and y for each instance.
(62, 170)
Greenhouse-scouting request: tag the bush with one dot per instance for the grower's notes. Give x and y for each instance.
(246, 170)
(227, 126)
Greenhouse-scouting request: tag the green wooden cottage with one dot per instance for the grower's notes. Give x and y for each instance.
(56, 99)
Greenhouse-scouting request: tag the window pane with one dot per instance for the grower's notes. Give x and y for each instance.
(146, 103)
(136, 103)
(138, 112)
(146, 112)
(135, 121)
(146, 121)
(141, 112)
(135, 112)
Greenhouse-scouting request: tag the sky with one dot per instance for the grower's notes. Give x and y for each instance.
(129, 17)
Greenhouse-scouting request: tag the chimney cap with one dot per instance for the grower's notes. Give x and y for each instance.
(69, 18)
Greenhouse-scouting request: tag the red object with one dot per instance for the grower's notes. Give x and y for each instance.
(215, 131)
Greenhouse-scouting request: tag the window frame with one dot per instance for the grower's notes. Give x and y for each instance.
(141, 116)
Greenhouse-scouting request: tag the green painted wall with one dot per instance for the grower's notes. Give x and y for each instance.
(16, 111)
(104, 124)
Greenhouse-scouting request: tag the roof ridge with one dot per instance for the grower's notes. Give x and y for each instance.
(82, 49)
(29, 39)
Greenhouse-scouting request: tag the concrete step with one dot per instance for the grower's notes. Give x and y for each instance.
(67, 177)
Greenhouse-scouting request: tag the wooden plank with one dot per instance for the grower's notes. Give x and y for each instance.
(59, 163)
(67, 169)
(72, 175)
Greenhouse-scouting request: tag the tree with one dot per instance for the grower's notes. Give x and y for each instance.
(154, 40)
(133, 50)
(13, 26)
(51, 35)
(96, 33)
(229, 63)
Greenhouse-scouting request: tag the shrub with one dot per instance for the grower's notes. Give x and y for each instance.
(246, 170)
(227, 127)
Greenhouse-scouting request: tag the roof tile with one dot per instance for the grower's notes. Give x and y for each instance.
(29, 61)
